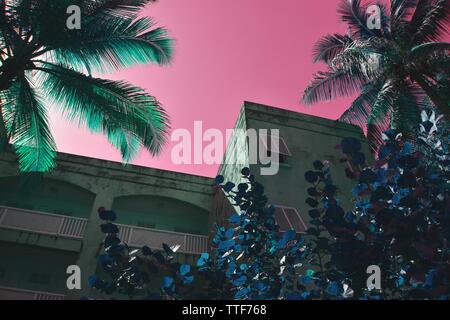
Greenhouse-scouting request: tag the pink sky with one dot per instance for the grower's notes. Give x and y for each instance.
(226, 52)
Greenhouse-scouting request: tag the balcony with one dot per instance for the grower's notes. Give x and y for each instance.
(72, 227)
(138, 237)
(42, 223)
(21, 294)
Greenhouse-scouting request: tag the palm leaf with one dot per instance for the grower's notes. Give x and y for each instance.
(434, 23)
(379, 119)
(359, 111)
(29, 130)
(375, 130)
(118, 8)
(3, 133)
(111, 36)
(329, 46)
(438, 63)
(337, 82)
(354, 14)
(112, 44)
(401, 12)
(365, 56)
(421, 10)
(425, 50)
(9, 37)
(385, 29)
(126, 115)
(408, 103)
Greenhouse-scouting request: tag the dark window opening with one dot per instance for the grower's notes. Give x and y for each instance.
(289, 219)
(282, 150)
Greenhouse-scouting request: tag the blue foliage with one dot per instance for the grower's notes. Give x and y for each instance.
(399, 221)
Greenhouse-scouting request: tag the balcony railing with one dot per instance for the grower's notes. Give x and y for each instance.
(42, 222)
(137, 237)
(22, 294)
(71, 227)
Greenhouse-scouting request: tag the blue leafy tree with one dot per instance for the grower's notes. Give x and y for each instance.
(249, 258)
(133, 272)
(400, 221)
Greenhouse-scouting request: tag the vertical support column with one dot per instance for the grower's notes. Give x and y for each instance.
(91, 248)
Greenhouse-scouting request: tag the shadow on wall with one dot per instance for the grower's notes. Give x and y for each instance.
(161, 213)
(51, 196)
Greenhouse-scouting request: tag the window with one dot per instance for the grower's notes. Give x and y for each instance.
(289, 219)
(282, 150)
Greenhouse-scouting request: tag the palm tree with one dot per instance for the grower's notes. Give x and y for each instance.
(44, 63)
(392, 68)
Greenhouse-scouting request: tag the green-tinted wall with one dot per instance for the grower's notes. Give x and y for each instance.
(34, 268)
(161, 213)
(308, 138)
(48, 196)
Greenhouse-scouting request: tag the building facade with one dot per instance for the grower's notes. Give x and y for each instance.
(51, 222)
(302, 140)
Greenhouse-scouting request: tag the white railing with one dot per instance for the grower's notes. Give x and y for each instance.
(22, 294)
(42, 222)
(70, 227)
(138, 236)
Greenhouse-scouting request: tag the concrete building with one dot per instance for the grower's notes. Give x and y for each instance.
(303, 139)
(49, 225)
(53, 223)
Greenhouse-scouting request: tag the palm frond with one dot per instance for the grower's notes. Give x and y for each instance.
(329, 46)
(359, 111)
(118, 8)
(434, 22)
(354, 14)
(420, 11)
(408, 103)
(375, 130)
(428, 49)
(111, 35)
(360, 114)
(27, 125)
(3, 133)
(379, 119)
(385, 99)
(385, 30)
(438, 63)
(112, 45)
(337, 82)
(401, 12)
(9, 37)
(125, 114)
(362, 55)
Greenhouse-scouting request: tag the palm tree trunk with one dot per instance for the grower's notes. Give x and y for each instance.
(440, 103)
